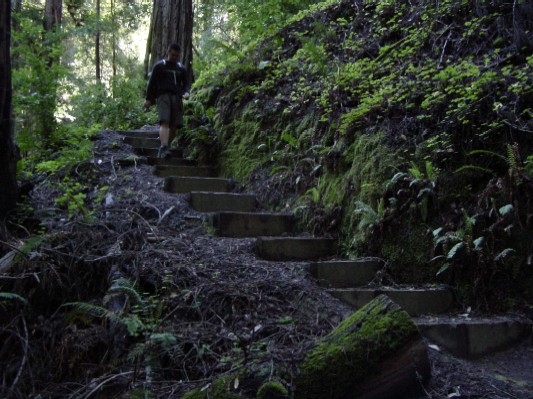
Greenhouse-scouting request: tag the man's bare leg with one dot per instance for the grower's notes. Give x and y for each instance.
(164, 139)
(164, 134)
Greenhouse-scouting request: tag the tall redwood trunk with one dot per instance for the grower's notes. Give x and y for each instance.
(172, 22)
(8, 152)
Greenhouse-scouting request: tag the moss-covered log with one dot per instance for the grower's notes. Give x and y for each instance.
(376, 353)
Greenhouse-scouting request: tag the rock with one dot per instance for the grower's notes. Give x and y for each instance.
(375, 353)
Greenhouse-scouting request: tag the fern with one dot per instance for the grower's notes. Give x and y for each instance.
(512, 160)
(11, 296)
(469, 224)
(95, 310)
(124, 285)
(369, 217)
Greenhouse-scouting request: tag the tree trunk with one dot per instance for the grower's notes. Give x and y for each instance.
(97, 44)
(52, 14)
(51, 23)
(172, 22)
(8, 152)
(114, 43)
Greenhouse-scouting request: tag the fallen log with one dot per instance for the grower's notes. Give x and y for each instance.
(377, 353)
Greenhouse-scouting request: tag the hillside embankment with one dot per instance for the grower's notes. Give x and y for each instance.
(404, 129)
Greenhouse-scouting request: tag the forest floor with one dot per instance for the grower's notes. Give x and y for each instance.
(223, 305)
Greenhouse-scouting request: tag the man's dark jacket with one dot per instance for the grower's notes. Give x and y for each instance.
(167, 78)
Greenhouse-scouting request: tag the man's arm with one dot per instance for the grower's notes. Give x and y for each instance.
(151, 88)
(185, 82)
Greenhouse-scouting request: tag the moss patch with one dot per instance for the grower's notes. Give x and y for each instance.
(245, 384)
(354, 350)
(272, 390)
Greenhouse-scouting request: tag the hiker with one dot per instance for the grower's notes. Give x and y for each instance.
(167, 86)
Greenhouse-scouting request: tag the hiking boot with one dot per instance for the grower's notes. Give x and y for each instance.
(163, 151)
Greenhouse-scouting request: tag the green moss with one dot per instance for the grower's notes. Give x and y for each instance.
(272, 390)
(249, 382)
(407, 248)
(372, 163)
(223, 388)
(354, 350)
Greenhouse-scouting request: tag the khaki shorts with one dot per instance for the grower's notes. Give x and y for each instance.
(170, 109)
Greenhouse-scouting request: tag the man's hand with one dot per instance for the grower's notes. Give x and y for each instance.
(147, 104)
(186, 95)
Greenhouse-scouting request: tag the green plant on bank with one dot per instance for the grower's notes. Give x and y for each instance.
(72, 146)
(528, 164)
(468, 256)
(142, 316)
(455, 244)
(485, 161)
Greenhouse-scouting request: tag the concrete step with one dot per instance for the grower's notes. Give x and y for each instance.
(183, 170)
(132, 160)
(170, 161)
(202, 201)
(142, 142)
(152, 152)
(139, 133)
(295, 248)
(415, 301)
(345, 273)
(474, 337)
(250, 224)
(181, 185)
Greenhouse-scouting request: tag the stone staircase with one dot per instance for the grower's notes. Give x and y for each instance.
(232, 214)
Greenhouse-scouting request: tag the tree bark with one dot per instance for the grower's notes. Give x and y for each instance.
(97, 44)
(172, 22)
(52, 14)
(52, 23)
(8, 150)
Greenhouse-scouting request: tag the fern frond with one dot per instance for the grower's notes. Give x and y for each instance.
(95, 310)
(512, 160)
(126, 286)
(11, 296)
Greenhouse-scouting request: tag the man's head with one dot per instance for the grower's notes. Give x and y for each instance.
(173, 52)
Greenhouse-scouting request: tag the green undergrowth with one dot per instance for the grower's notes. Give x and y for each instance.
(383, 122)
(246, 383)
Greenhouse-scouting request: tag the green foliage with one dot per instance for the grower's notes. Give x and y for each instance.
(121, 108)
(140, 313)
(37, 74)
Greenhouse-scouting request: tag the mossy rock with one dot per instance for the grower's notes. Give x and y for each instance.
(376, 349)
(272, 390)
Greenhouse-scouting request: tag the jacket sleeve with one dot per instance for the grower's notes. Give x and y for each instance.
(151, 88)
(186, 83)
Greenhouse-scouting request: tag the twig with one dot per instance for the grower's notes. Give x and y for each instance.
(100, 385)
(521, 129)
(136, 214)
(24, 356)
(444, 49)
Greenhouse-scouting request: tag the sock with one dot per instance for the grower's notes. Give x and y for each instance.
(163, 136)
